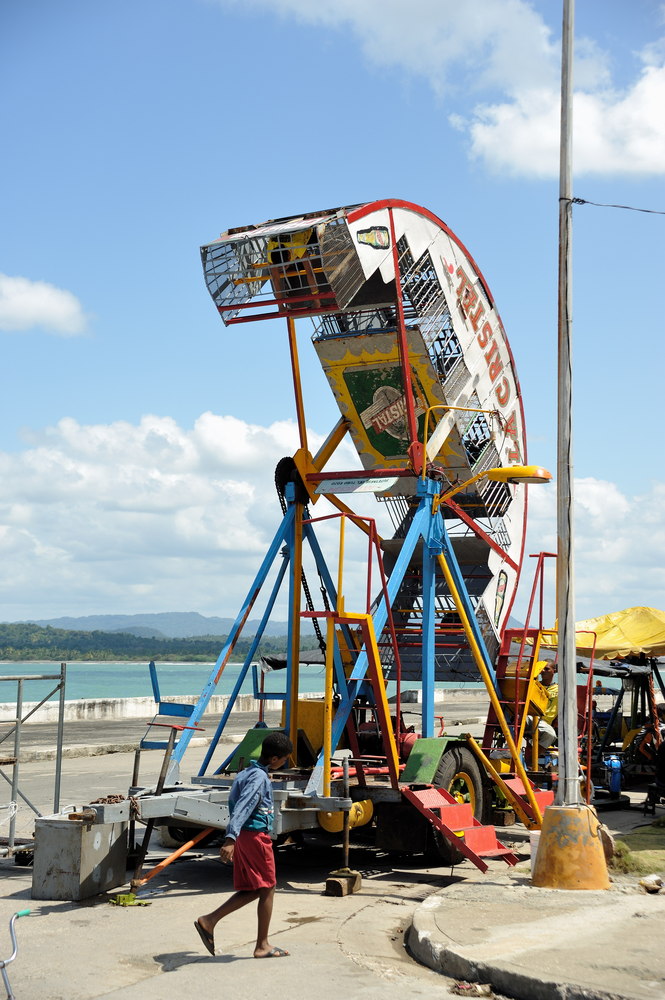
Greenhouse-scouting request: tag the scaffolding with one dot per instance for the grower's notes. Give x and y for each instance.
(10, 763)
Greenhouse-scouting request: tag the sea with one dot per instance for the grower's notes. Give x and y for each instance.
(109, 679)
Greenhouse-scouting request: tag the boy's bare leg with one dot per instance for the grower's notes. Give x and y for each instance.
(233, 903)
(264, 911)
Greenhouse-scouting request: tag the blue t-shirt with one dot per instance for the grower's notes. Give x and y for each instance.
(250, 801)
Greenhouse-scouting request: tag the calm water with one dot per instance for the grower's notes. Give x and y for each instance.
(132, 680)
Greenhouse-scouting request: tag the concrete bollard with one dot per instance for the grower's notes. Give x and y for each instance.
(570, 850)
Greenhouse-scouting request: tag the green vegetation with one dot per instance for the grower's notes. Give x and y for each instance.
(642, 851)
(32, 642)
(624, 861)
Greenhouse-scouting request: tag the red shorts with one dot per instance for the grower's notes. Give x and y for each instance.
(253, 861)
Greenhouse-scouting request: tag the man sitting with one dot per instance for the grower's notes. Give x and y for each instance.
(548, 720)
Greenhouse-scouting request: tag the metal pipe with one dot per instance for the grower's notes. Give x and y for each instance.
(568, 790)
(136, 883)
(491, 689)
(131, 833)
(297, 384)
(329, 446)
(328, 704)
(17, 755)
(346, 826)
(293, 680)
(59, 739)
(159, 788)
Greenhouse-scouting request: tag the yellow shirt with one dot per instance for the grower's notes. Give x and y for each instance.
(552, 710)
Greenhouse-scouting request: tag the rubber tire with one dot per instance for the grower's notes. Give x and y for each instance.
(458, 765)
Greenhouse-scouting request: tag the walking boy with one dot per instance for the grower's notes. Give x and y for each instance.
(248, 845)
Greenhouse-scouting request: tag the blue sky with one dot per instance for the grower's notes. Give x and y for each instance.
(138, 434)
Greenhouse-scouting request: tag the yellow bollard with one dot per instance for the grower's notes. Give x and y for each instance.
(570, 852)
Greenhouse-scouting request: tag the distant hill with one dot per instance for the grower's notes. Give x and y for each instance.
(142, 631)
(27, 641)
(169, 624)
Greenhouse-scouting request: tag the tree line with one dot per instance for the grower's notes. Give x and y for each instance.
(23, 641)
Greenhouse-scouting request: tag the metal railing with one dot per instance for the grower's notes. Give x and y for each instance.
(13, 760)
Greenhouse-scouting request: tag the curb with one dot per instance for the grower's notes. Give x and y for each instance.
(423, 942)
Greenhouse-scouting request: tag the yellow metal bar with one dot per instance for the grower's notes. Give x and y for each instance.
(441, 497)
(336, 436)
(374, 661)
(527, 701)
(295, 625)
(250, 281)
(328, 705)
(514, 799)
(484, 673)
(297, 385)
(340, 568)
(289, 263)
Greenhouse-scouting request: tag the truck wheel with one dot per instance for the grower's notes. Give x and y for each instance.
(458, 773)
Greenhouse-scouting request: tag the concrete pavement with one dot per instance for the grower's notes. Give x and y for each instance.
(528, 943)
(545, 944)
(340, 947)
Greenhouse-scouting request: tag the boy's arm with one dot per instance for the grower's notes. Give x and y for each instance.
(245, 804)
(227, 850)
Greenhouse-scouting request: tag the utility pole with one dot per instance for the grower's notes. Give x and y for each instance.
(568, 788)
(570, 853)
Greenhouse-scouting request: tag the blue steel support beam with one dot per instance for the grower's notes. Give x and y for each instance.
(295, 585)
(243, 673)
(428, 578)
(285, 527)
(417, 529)
(431, 528)
(431, 548)
(451, 559)
(322, 567)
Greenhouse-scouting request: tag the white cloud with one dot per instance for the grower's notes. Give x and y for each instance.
(619, 559)
(455, 46)
(508, 51)
(26, 304)
(124, 518)
(612, 133)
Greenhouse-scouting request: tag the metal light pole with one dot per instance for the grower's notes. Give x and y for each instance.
(570, 853)
(568, 789)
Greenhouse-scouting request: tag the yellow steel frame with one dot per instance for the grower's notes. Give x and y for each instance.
(484, 673)
(340, 616)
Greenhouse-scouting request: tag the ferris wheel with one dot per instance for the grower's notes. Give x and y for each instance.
(413, 348)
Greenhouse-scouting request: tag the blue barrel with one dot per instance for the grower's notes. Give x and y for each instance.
(613, 765)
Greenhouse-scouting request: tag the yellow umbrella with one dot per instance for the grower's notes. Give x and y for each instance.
(622, 633)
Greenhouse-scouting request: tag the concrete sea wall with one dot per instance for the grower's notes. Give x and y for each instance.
(105, 709)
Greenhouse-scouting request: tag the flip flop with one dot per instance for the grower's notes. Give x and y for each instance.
(274, 953)
(206, 937)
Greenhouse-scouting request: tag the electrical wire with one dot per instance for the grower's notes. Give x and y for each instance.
(601, 204)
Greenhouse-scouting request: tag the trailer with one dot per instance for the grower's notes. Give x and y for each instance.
(415, 353)
(628, 731)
